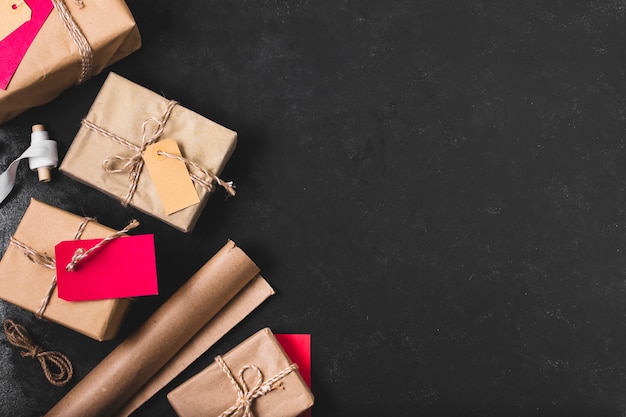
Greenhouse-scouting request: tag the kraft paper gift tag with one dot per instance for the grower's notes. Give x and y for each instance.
(125, 116)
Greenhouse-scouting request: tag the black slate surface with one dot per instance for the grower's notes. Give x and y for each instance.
(434, 188)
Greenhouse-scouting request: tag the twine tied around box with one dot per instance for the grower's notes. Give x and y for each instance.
(81, 254)
(18, 336)
(85, 50)
(134, 163)
(245, 395)
(46, 261)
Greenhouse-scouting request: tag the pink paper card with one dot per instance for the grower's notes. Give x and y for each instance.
(13, 47)
(123, 267)
(298, 348)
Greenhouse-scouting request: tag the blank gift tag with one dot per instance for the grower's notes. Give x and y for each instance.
(170, 176)
(15, 40)
(123, 267)
(13, 14)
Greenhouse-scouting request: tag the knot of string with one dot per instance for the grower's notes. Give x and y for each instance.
(18, 336)
(227, 185)
(246, 395)
(134, 163)
(81, 254)
(46, 261)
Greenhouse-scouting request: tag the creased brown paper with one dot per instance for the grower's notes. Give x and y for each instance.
(151, 346)
(53, 61)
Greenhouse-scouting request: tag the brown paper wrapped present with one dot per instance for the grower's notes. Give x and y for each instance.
(256, 375)
(79, 39)
(27, 277)
(125, 118)
(250, 297)
(168, 331)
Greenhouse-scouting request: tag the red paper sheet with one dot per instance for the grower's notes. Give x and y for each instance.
(124, 267)
(14, 47)
(298, 348)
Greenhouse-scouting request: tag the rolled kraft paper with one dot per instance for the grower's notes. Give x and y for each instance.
(250, 297)
(143, 353)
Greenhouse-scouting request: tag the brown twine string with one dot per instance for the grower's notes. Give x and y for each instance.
(18, 336)
(80, 254)
(86, 53)
(228, 186)
(246, 396)
(134, 164)
(32, 255)
(47, 262)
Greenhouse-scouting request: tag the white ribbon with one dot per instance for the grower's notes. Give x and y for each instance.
(42, 153)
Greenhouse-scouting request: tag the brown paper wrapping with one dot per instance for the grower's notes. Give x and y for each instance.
(25, 283)
(149, 348)
(210, 393)
(121, 107)
(52, 63)
(250, 297)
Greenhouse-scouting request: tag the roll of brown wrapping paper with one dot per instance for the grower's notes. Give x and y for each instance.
(143, 353)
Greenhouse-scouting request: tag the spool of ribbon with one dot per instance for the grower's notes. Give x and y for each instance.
(42, 155)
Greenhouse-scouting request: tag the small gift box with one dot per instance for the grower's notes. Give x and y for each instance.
(27, 275)
(78, 39)
(255, 376)
(126, 124)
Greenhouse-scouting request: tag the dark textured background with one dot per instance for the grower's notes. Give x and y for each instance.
(434, 188)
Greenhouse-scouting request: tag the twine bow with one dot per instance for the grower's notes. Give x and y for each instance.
(133, 164)
(81, 254)
(18, 336)
(46, 261)
(245, 395)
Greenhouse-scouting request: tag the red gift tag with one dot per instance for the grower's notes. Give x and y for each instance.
(13, 47)
(123, 267)
(298, 348)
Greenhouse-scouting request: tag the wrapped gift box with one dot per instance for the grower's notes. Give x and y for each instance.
(53, 61)
(25, 282)
(282, 391)
(122, 119)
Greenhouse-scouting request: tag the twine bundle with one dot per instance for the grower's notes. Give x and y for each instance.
(18, 336)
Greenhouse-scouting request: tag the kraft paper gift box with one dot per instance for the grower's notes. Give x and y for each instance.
(171, 339)
(270, 377)
(122, 119)
(25, 282)
(54, 62)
